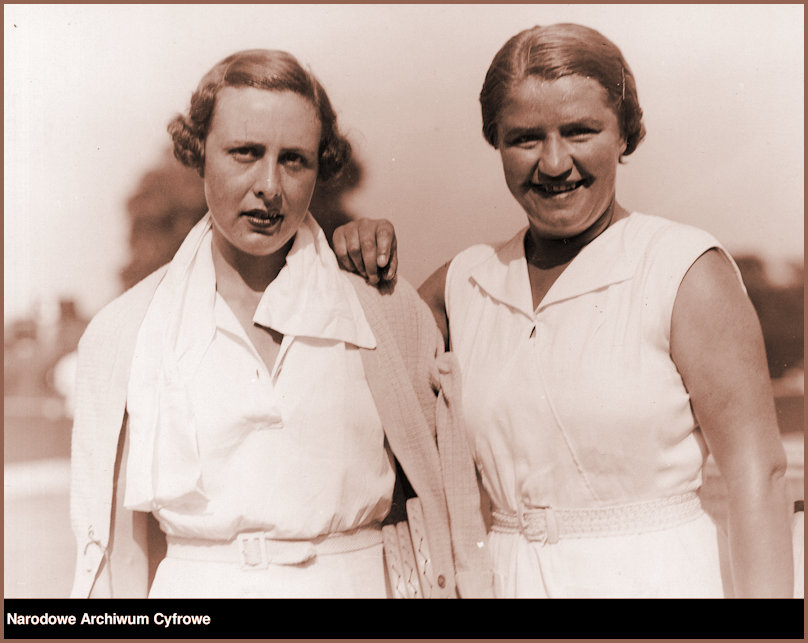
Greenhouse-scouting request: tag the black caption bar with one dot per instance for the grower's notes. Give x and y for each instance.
(469, 619)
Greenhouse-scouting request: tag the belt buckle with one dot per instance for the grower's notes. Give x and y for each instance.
(533, 529)
(521, 517)
(542, 528)
(253, 550)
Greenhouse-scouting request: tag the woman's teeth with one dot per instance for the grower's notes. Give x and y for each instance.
(557, 188)
(269, 217)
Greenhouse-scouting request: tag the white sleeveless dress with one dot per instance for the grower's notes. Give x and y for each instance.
(578, 405)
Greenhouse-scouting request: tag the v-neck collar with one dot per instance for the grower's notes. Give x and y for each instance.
(602, 262)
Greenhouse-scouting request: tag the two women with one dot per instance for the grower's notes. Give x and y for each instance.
(603, 354)
(244, 414)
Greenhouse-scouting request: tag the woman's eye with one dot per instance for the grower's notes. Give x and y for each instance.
(581, 132)
(294, 160)
(525, 140)
(245, 153)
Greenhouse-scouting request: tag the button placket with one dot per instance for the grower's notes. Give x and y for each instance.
(271, 417)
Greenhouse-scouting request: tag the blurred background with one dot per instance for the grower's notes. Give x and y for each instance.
(93, 200)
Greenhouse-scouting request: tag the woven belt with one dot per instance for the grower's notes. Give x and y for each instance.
(548, 524)
(256, 550)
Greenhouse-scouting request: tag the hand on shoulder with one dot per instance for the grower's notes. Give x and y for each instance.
(367, 247)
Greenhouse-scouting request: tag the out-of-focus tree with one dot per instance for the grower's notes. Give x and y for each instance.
(170, 199)
(780, 307)
(328, 203)
(166, 204)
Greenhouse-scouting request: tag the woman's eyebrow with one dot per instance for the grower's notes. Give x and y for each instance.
(518, 130)
(586, 121)
(298, 148)
(238, 142)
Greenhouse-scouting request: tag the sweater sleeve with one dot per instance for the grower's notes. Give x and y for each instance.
(95, 445)
(435, 378)
(474, 572)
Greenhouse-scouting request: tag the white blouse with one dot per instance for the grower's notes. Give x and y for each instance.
(297, 451)
(578, 403)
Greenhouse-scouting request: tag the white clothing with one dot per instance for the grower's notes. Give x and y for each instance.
(578, 405)
(297, 451)
(356, 574)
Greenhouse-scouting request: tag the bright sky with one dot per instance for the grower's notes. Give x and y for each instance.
(89, 90)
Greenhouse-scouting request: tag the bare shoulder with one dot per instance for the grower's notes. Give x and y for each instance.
(716, 339)
(710, 285)
(432, 291)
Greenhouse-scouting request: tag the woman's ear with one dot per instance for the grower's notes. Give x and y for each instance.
(621, 156)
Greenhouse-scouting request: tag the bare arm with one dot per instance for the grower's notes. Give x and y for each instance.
(367, 247)
(432, 292)
(717, 345)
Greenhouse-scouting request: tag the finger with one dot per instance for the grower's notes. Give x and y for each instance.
(392, 266)
(341, 249)
(367, 242)
(355, 251)
(384, 239)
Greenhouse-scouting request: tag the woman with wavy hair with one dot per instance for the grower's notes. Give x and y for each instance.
(245, 414)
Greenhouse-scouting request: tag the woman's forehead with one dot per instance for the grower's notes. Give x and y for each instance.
(255, 110)
(568, 96)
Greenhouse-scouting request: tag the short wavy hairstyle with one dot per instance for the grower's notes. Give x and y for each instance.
(558, 50)
(269, 69)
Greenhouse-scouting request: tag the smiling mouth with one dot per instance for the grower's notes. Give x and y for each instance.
(262, 219)
(558, 187)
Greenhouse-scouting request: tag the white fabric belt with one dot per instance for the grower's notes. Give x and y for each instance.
(548, 524)
(256, 550)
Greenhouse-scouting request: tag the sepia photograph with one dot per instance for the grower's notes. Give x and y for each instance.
(366, 301)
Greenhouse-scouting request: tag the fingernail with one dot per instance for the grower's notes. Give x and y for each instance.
(381, 260)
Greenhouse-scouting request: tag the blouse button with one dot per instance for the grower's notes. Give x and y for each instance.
(441, 581)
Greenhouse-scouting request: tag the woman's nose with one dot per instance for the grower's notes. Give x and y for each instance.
(555, 158)
(268, 181)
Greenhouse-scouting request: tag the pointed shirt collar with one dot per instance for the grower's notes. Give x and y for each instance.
(311, 297)
(602, 262)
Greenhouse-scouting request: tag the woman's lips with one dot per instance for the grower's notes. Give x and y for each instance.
(263, 219)
(557, 187)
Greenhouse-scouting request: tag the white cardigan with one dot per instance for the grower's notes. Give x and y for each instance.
(414, 394)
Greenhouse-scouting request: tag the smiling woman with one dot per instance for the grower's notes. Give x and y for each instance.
(603, 354)
(560, 144)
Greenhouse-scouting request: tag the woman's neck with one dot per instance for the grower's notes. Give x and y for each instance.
(547, 252)
(242, 277)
